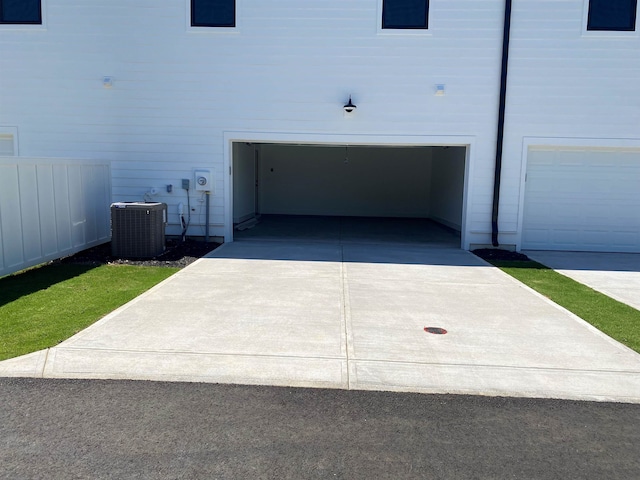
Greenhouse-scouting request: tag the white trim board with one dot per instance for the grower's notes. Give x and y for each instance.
(341, 139)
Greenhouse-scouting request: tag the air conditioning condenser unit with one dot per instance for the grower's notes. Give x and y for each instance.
(137, 229)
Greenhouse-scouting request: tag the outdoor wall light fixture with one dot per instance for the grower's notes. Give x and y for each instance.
(349, 107)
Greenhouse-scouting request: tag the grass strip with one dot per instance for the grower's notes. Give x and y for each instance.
(41, 307)
(616, 319)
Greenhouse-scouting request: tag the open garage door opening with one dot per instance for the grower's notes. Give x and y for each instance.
(407, 194)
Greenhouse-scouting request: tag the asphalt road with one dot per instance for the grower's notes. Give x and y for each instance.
(68, 429)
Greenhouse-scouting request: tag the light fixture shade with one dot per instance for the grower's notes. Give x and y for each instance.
(349, 107)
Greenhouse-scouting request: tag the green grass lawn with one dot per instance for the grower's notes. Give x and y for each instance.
(616, 319)
(43, 306)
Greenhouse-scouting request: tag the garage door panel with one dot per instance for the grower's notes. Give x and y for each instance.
(624, 239)
(596, 238)
(598, 214)
(539, 158)
(626, 186)
(565, 237)
(540, 186)
(626, 219)
(600, 159)
(578, 199)
(536, 238)
(538, 214)
(569, 158)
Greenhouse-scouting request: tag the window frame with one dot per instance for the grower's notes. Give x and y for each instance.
(212, 28)
(586, 32)
(38, 23)
(11, 132)
(29, 26)
(404, 31)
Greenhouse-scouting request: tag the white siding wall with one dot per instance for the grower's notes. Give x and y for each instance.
(564, 83)
(50, 208)
(288, 68)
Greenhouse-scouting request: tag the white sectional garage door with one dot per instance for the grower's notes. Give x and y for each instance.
(582, 200)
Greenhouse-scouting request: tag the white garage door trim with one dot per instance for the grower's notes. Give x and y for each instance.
(340, 139)
(581, 197)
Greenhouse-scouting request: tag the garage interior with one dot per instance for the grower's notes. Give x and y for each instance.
(348, 192)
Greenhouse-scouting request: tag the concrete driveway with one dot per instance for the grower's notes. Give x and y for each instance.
(347, 315)
(614, 274)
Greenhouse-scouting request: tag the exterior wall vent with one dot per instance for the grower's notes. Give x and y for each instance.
(137, 229)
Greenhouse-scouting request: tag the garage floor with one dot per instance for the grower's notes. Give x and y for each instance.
(350, 230)
(294, 312)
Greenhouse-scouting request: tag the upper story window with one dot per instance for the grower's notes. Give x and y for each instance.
(405, 14)
(612, 15)
(213, 13)
(21, 12)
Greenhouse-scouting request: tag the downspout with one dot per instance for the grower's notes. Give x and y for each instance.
(206, 227)
(501, 108)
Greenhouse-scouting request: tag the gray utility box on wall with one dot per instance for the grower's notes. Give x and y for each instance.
(137, 229)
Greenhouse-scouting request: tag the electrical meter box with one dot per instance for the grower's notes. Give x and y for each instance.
(203, 180)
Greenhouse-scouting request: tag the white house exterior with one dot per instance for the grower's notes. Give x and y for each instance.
(134, 83)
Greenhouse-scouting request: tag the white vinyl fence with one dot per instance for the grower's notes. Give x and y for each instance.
(50, 208)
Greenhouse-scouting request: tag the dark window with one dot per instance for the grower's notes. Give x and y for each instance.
(616, 15)
(21, 11)
(213, 13)
(405, 14)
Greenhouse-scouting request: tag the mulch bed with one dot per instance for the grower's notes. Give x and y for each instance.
(178, 254)
(499, 254)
